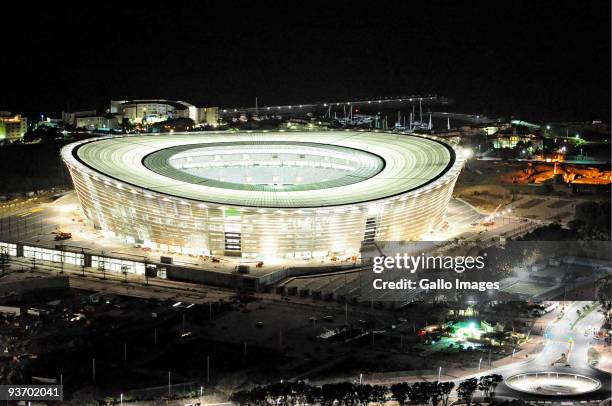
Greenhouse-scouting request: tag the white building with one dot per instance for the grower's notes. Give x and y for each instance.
(208, 115)
(153, 111)
(70, 117)
(95, 122)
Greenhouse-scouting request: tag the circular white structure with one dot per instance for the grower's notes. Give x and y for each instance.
(553, 383)
(280, 194)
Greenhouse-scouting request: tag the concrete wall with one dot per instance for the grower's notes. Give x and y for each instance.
(25, 285)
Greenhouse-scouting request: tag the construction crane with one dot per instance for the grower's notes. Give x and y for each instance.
(490, 220)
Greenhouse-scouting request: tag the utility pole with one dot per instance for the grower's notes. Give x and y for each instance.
(61, 258)
(421, 111)
(83, 264)
(346, 314)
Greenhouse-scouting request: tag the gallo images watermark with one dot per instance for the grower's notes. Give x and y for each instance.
(460, 270)
(412, 264)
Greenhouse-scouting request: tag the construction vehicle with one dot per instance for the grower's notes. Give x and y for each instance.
(61, 235)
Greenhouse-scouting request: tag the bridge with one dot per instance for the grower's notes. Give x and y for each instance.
(329, 108)
(472, 118)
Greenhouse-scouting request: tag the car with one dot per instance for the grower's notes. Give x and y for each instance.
(259, 324)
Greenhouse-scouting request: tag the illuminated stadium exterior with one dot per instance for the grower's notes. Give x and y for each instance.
(261, 195)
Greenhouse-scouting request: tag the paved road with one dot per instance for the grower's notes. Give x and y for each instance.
(564, 336)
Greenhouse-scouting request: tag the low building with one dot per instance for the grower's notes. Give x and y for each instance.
(12, 127)
(153, 111)
(208, 116)
(95, 122)
(511, 137)
(70, 117)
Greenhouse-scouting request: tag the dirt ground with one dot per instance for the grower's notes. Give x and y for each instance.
(480, 185)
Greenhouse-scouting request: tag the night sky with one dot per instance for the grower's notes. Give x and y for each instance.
(538, 60)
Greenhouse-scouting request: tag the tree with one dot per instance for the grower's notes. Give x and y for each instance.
(379, 393)
(280, 392)
(328, 394)
(258, 396)
(299, 390)
(399, 391)
(124, 271)
(313, 395)
(484, 384)
(604, 287)
(343, 392)
(420, 392)
(101, 266)
(5, 259)
(241, 397)
(83, 262)
(466, 389)
(445, 389)
(496, 379)
(435, 393)
(364, 393)
(42, 134)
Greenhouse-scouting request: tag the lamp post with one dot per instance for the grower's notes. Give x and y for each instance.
(439, 373)
(479, 363)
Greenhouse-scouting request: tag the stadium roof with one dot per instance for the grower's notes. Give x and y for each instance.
(388, 165)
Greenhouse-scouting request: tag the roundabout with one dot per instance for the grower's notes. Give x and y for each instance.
(553, 383)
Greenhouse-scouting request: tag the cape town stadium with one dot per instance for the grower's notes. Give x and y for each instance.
(258, 195)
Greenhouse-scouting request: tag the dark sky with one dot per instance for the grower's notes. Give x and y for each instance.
(540, 60)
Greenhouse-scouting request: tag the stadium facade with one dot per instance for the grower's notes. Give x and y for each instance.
(261, 195)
